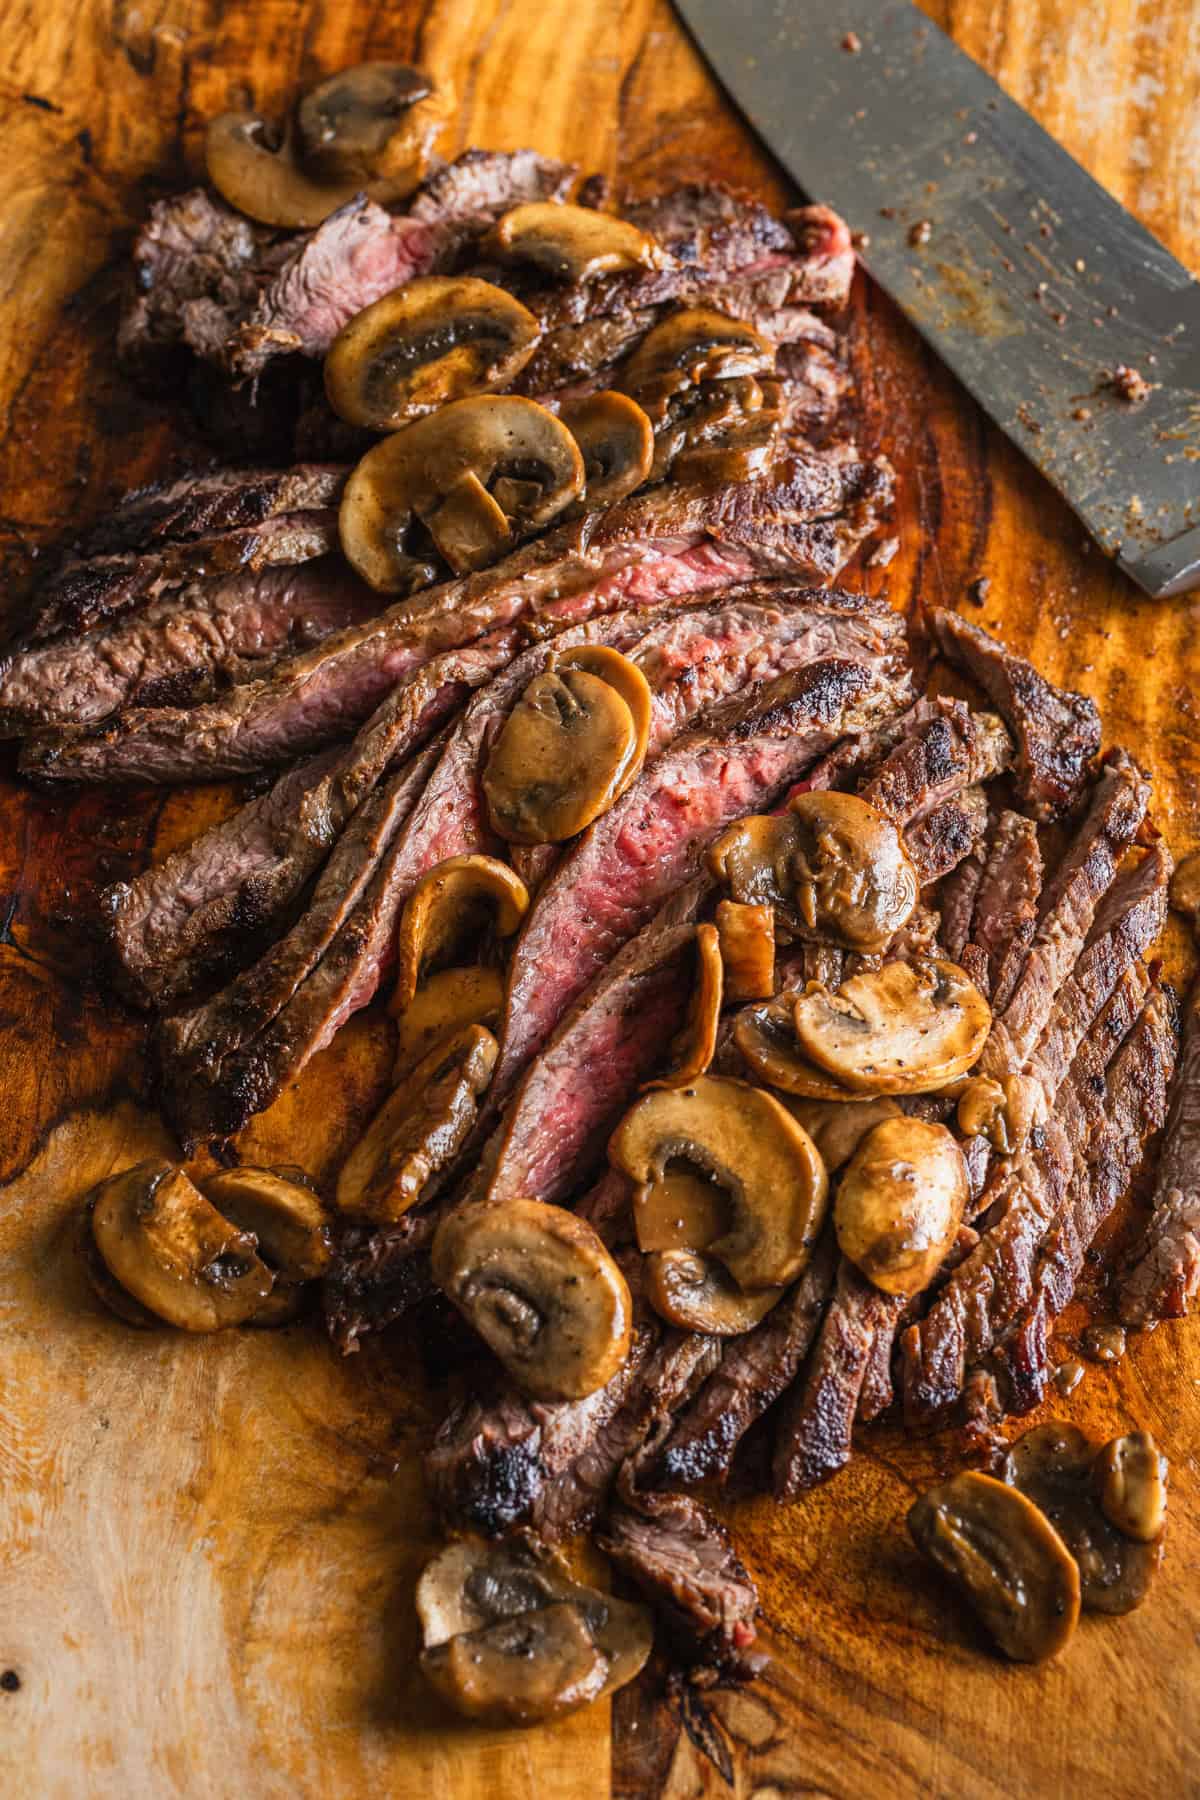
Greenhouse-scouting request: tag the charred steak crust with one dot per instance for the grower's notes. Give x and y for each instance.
(1164, 1275)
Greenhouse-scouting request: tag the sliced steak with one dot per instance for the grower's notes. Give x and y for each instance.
(197, 265)
(816, 1421)
(88, 593)
(1004, 917)
(217, 501)
(940, 839)
(684, 1563)
(1117, 1116)
(956, 903)
(1057, 732)
(755, 1369)
(802, 520)
(1165, 1274)
(740, 760)
(945, 749)
(184, 648)
(376, 1277)
(482, 184)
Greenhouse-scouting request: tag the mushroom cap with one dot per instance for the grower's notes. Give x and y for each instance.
(838, 1127)
(570, 243)
(436, 339)
(696, 1045)
(753, 858)
(542, 1291)
(267, 184)
(692, 345)
(1130, 1477)
(747, 939)
(852, 877)
(682, 1210)
(765, 1038)
(371, 120)
(451, 904)
(524, 1670)
(753, 1149)
(419, 1129)
(104, 1284)
(1055, 1466)
(170, 1248)
(569, 748)
(696, 1293)
(904, 1028)
(287, 1218)
(444, 1003)
(900, 1203)
(1005, 1558)
(616, 441)
(475, 474)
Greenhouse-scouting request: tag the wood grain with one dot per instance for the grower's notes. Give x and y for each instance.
(208, 1548)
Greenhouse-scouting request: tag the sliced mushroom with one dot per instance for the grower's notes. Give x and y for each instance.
(376, 120)
(616, 441)
(567, 752)
(689, 420)
(753, 858)
(171, 1249)
(446, 472)
(900, 1203)
(765, 1038)
(1006, 1559)
(436, 339)
(1054, 1466)
(695, 1293)
(570, 243)
(541, 1290)
(473, 1588)
(682, 1210)
(690, 346)
(627, 678)
(753, 1149)
(747, 939)
(521, 1671)
(104, 1284)
(290, 1225)
(1130, 1478)
(419, 1129)
(451, 906)
(444, 1003)
(838, 1127)
(1004, 1111)
(262, 178)
(904, 1028)
(697, 1042)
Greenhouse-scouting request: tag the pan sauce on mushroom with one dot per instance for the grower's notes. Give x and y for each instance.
(436, 339)
(541, 1290)
(690, 346)
(904, 1028)
(697, 1042)
(765, 1037)
(290, 1225)
(747, 939)
(616, 442)
(900, 1203)
(570, 243)
(1005, 1558)
(569, 748)
(451, 906)
(510, 1639)
(443, 1004)
(476, 476)
(1058, 1468)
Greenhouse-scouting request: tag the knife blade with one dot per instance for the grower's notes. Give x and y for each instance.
(1026, 277)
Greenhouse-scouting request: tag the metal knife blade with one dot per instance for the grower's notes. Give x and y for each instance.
(1032, 283)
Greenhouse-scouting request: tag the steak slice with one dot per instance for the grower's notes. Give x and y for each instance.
(217, 501)
(741, 759)
(816, 1422)
(1057, 732)
(191, 644)
(755, 1369)
(1117, 1117)
(946, 748)
(987, 1289)
(802, 519)
(85, 594)
(1164, 1276)
(939, 840)
(682, 1560)
(197, 265)
(1004, 917)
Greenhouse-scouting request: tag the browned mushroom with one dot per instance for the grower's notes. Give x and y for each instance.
(900, 1202)
(1003, 1110)
(170, 1248)
(712, 416)
(754, 1150)
(104, 1283)
(1055, 1466)
(696, 1293)
(1005, 1558)
(570, 243)
(541, 1290)
(452, 906)
(568, 750)
(257, 172)
(747, 940)
(616, 442)
(419, 1129)
(682, 1210)
(435, 339)
(694, 1049)
(690, 346)
(477, 475)
(490, 1649)
(904, 1028)
(838, 1127)
(1130, 1478)
(371, 122)
(628, 680)
(289, 1224)
(444, 1003)
(765, 1038)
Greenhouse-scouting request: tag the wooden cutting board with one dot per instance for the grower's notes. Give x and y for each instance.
(207, 1548)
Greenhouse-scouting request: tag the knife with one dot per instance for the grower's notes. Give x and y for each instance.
(1024, 275)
